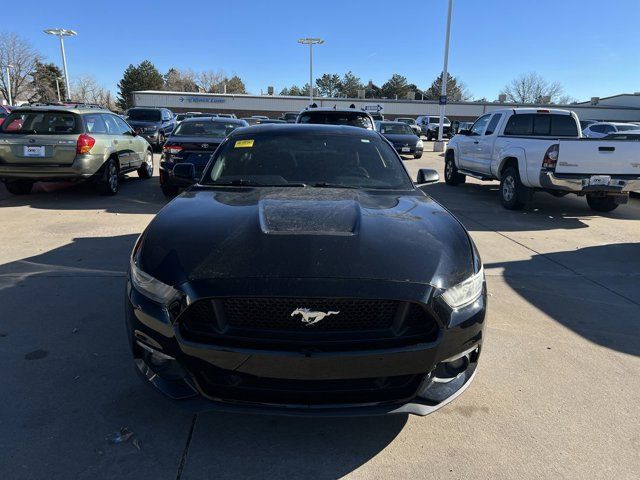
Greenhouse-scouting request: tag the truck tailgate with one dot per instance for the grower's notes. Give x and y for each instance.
(597, 156)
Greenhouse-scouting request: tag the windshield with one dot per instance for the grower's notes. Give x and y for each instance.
(41, 123)
(205, 129)
(624, 128)
(144, 115)
(395, 128)
(305, 158)
(437, 120)
(354, 119)
(408, 121)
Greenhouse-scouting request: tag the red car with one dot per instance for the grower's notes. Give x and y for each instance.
(4, 112)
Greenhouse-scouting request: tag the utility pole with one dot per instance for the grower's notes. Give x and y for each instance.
(439, 145)
(61, 33)
(311, 42)
(9, 67)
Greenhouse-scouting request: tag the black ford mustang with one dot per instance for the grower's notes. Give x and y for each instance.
(305, 274)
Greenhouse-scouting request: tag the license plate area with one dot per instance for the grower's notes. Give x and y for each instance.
(406, 149)
(599, 180)
(33, 151)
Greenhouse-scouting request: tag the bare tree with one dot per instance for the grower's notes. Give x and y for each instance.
(532, 88)
(85, 89)
(210, 80)
(16, 51)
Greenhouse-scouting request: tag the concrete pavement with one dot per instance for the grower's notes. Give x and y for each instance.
(556, 395)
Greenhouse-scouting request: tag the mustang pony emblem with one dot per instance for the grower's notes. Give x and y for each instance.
(309, 317)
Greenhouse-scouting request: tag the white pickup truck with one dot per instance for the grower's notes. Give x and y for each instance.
(534, 149)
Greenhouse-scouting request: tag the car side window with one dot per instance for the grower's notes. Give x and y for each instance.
(123, 127)
(112, 126)
(94, 123)
(480, 125)
(609, 128)
(493, 124)
(597, 128)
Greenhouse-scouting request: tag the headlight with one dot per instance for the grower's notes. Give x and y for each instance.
(150, 129)
(149, 286)
(419, 144)
(465, 292)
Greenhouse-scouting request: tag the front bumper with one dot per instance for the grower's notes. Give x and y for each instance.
(412, 150)
(151, 137)
(83, 167)
(579, 183)
(152, 328)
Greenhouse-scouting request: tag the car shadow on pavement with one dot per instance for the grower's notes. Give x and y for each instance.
(69, 384)
(136, 196)
(478, 208)
(595, 292)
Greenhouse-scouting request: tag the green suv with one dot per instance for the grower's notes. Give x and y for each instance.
(73, 143)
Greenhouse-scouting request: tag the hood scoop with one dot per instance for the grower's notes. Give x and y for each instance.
(324, 212)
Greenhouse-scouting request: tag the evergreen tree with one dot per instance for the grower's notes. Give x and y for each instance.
(145, 76)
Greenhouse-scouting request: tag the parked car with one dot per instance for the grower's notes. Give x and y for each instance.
(193, 141)
(183, 116)
(52, 143)
(4, 112)
(154, 124)
(332, 116)
(531, 149)
(430, 126)
(403, 139)
(457, 127)
(304, 273)
(412, 124)
(377, 116)
(227, 115)
(602, 129)
(289, 117)
(585, 123)
(626, 135)
(258, 121)
(260, 117)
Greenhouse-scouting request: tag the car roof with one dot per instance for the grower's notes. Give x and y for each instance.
(337, 110)
(284, 128)
(62, 108)
(213, 119)
(611, 123)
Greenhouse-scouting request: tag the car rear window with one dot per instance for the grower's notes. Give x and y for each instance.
(41, 123)
(355, 119)
(541, 125)
(205, 129)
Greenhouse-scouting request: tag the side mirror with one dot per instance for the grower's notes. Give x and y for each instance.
(427, 175)
(185, 171)
(133, 133)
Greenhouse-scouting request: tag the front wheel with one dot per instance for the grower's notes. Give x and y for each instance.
(145, 170)
(417, 156)
(19, 187)
(451, 175)
(513, 194)
(601, 203)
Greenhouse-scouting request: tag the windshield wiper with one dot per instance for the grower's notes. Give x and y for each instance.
(252, 183)
(332, 185)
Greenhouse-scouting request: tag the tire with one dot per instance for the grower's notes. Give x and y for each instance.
(161, 140)
(451, 175)
(169, 191)
(110, 179)
(429, 137)
(146, 169)
(601, 203)
(513, 194)
(19, 187)
(417, 156)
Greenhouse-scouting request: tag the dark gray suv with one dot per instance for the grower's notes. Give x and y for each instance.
(154, 124)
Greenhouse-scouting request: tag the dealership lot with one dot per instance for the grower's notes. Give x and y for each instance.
(556, 394)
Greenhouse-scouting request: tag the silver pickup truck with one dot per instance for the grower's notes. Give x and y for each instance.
(534, 149)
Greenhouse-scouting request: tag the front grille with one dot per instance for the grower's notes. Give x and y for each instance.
(238, 387)
(271, 323)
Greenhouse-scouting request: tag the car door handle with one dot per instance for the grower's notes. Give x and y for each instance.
(606, 149)
(476, 142)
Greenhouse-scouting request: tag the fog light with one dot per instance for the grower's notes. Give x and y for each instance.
(452, 367)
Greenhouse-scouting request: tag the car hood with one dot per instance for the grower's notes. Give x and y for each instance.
(213, 233)
(401, 138)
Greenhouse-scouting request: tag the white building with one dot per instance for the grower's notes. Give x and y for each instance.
(616, 108)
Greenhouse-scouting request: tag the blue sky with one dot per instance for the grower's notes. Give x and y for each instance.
(590, 46)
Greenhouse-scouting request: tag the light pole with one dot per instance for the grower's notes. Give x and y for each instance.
(61, 33)
(311, 42)
(439, 145)
(58, 87)
(9, 66)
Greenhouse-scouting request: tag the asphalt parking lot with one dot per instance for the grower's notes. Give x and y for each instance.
(556, 395)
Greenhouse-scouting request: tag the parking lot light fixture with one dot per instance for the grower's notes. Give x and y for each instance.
(439, 145)
(311, 42)
(61, 33)
(9, 67)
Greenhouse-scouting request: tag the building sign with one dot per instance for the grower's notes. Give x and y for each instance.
(373, 108)
(202, 100)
